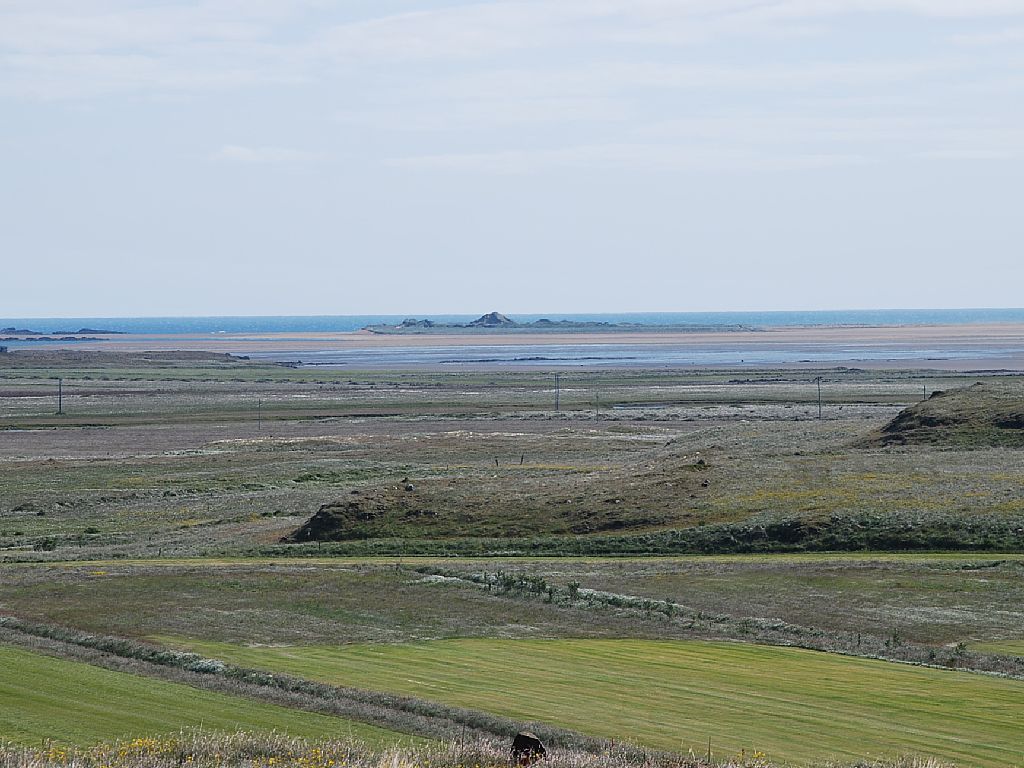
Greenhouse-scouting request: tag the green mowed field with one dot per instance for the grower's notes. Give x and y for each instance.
(47, 699)
(795, 705)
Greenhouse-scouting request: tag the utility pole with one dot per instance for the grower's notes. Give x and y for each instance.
(60, 397)
(819, 396)
(597, 401)
(558, 393)
(259, 414)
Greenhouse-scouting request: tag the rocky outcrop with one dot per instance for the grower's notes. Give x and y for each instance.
(11, 331)
(492, 320)
(90, 330)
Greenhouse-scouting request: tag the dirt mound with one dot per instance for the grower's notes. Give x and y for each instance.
(514, 504)
(984, 414)
(366, 514)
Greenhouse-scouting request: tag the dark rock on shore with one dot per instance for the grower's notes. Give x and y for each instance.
(20, 332)
(38, 337)
(497, 322)
(88, 330)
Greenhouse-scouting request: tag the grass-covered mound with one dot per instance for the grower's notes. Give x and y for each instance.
(985, 414)
(519, 501)
(894, 531)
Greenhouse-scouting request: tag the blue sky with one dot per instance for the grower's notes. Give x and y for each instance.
(271, 157)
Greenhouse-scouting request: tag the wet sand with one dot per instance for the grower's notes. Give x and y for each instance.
(976, 347)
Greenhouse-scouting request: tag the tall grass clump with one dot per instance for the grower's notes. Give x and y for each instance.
(196, 749)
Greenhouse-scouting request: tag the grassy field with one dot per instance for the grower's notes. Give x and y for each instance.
(924, 598)
(930, 599)
(291, 603)
(794, 705)
(1009, 647)
(47, 699)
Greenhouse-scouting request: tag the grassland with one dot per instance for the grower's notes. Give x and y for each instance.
(159, 505)
(293, 603)
(924, 599)
(303, 618)
(219, 456)
(313, 620)
(800, 705)
(1009, 647)
(47, 699)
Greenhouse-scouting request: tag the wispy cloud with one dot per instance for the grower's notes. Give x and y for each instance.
(279, 156)
(86, 75)
(967, 154)
(429, 111)
(753, 141)
(316, 40)
(610, 75)
(631, 157)
(998, 37)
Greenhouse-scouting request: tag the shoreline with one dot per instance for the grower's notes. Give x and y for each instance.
(1001, 334)
(981, 346)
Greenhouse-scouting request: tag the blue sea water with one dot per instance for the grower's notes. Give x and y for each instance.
(343, 323)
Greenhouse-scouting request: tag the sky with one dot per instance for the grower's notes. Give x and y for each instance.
(262, 157)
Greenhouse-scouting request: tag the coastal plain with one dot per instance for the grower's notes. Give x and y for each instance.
(414, 532)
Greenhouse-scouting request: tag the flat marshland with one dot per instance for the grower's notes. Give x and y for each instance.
(408, 551)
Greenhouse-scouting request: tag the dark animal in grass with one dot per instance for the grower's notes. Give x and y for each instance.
(527, 749)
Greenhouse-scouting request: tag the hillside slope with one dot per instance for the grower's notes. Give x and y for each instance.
(984, 414)
(518, 502)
